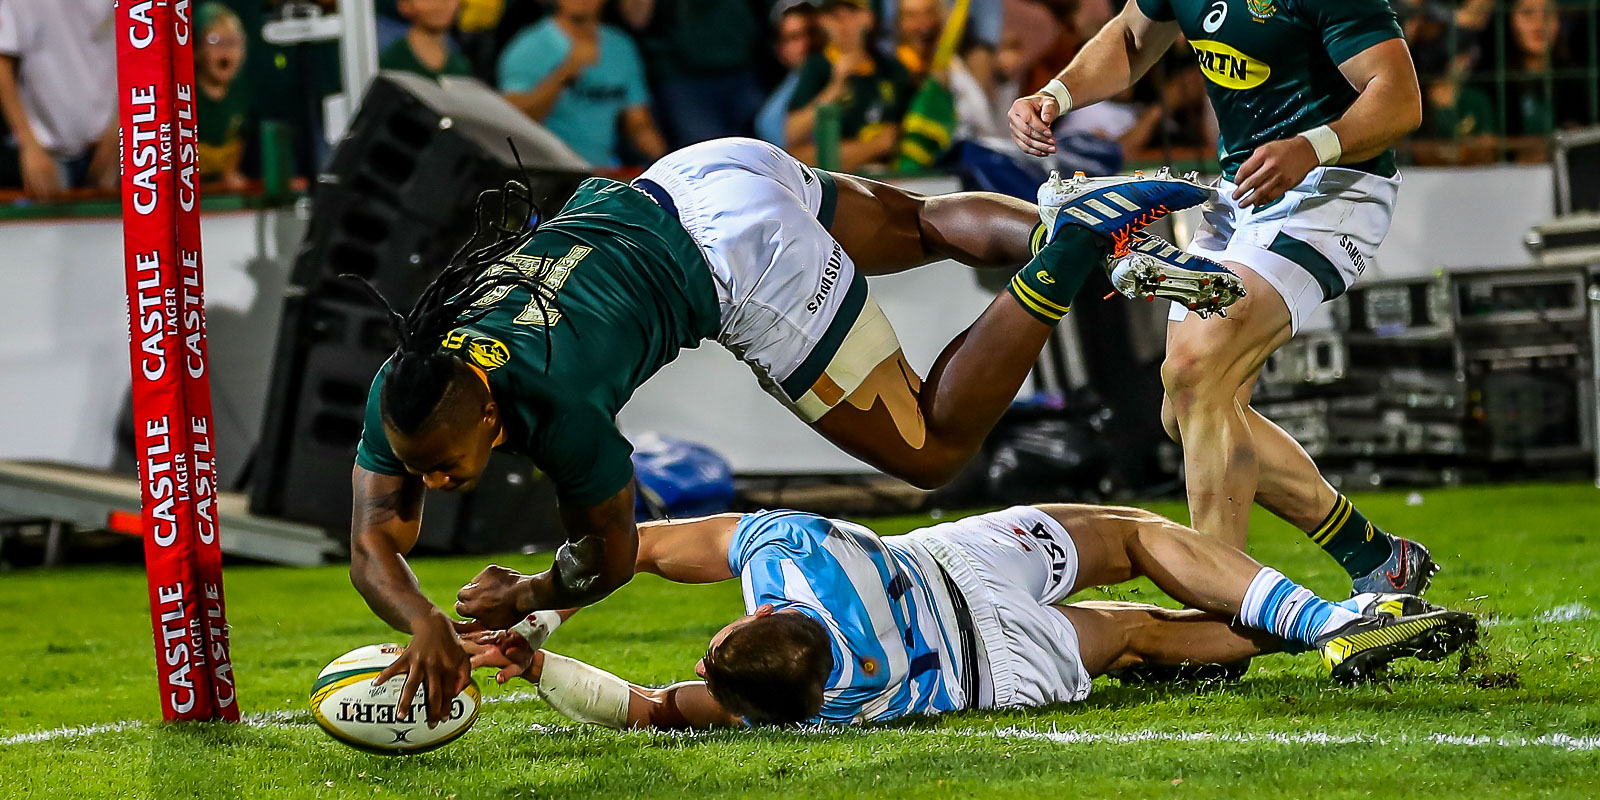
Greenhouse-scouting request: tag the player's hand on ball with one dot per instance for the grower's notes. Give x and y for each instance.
(434, 659)
(494, 597)
(1030, 119)
(1274, 168)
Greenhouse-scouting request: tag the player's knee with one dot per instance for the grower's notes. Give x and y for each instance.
(1192, 375)
(931, 472)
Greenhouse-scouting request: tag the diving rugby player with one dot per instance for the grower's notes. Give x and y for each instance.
(532, 340)
(843, 626)
(1311, 95)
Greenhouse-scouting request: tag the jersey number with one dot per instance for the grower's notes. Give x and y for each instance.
(551, 273)
(1213, 20)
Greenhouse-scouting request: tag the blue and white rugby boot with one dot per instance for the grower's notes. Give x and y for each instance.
(1119, 206)
(1152, 267)
(1410, 569)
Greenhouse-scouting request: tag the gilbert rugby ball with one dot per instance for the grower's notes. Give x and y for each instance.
(350, 708)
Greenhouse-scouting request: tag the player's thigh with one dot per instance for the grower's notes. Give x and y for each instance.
(1104, 641)
(879, 225)
(880, 422)
(1226, 352)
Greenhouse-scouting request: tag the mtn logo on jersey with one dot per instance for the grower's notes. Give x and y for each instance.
(1227, 67)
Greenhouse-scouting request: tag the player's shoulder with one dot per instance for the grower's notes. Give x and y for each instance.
(791, 532)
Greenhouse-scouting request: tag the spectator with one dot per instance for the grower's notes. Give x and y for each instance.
(1135, 126)
(223, 109)
(797, 40)
(58, 93)
(425, 49)
(1537, 103)
(1068, 40)
(871, 91)
(584, 81)
(950, 103)
(702, 56)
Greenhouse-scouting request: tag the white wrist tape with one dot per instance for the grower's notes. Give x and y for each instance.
(537, 627)
(1325, 143)
(583, 693)
(1055, 88)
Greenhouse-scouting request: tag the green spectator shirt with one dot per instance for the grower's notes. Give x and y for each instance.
(223, 125)
(1272, 66)
(399, 56)
(876, 94)
(631, 289)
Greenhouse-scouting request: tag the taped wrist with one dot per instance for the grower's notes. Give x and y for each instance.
(537, 627)
(583, 693)
(1058, 90)
(1325, 142)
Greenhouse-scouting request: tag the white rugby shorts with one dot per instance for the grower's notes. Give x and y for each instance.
(1011, 567)
(1311, 245)
(793, 306)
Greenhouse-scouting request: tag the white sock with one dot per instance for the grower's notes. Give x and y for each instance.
(1290, 611)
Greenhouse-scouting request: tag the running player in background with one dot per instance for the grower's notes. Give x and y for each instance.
(534, 339)
(842, 626)
(1310, 95)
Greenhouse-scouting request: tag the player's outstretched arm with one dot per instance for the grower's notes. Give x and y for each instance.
(385, 520)
(584, 693)
(688, 551)
(597, 559)
(1120, 54)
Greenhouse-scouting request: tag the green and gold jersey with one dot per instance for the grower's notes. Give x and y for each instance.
(631, 290)
(1272, 66)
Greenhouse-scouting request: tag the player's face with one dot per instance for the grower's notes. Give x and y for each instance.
(433, 15)
(447, 460)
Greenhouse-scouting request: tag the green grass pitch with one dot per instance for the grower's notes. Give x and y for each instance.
(1522, 720)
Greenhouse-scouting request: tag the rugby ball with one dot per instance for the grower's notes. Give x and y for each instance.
(350, 708)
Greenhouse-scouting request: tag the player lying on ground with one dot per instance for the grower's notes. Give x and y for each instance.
(533, 340)
(843, 626)
(1311, 96)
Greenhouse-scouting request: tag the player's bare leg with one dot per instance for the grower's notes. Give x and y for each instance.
(1114, 636)
(886, 229)
(1208, 362)
(1289, 484)
(1223, 586)
(925, 431)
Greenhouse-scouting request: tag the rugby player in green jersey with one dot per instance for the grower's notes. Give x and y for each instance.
(1310, 96)
(534, 339)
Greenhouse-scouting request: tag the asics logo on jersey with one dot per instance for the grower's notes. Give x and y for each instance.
(1213, 20)
(1058, 554)
(1227, 67)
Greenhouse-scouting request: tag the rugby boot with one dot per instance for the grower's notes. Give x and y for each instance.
(1152, 267)
(1117, 206)
(1409, 570)
(1360, 650)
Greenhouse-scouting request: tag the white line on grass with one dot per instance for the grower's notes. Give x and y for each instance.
(285, 718)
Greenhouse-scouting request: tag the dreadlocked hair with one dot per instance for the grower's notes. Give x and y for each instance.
(420, 375)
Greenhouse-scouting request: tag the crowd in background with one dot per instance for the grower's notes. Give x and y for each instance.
(623, 81)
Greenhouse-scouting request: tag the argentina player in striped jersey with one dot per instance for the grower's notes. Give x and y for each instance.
(845, 627)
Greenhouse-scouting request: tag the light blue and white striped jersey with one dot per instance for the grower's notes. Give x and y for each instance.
(895, 642)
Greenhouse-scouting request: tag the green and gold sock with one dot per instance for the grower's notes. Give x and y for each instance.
(1050, 282)
(1346, 534)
